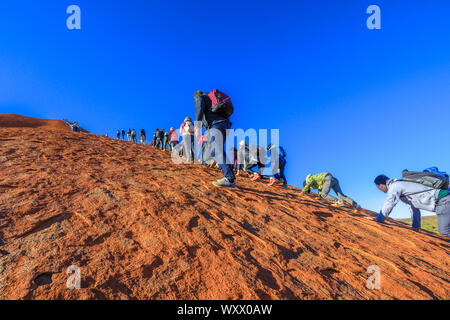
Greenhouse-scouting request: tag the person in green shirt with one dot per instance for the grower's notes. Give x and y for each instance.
(324, 182)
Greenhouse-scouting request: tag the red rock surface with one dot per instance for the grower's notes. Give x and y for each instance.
(140, 227)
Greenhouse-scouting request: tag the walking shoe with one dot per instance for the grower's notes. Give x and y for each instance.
(213, 164)
(257, 176)
(224, 182)
(272, 181)
(338, 204)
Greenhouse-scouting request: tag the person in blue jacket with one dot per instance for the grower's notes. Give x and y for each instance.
(278, 164)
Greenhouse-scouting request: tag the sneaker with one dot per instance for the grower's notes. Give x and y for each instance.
(212, 164)
(272, 181)
(256, 177)
(224, 182)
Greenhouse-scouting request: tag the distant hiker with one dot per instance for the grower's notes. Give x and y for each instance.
(123, 134)
(166, 141)
(235, 164)
(133, 135)
(187, 132)
(212, 111)
(161, 138)
(118, 135)
(173, 138)
(129, 135)
(155, 138)
(142, 135)
(325, 182)
(73, 126)
(278, 164)
(205, 152)
(250, 157)
(419, 190)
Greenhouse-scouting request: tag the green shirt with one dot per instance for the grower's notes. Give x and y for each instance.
(315, 182)
(443, 194)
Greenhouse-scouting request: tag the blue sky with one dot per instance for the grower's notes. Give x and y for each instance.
(347, 100)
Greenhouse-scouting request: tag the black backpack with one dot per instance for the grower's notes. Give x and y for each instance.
(428, 179)
(221, 103)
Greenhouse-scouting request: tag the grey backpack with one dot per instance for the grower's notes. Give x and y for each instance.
(428, 179)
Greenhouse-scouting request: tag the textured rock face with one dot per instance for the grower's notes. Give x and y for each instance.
(140, 227)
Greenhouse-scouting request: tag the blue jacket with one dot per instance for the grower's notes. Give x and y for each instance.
(277, 153)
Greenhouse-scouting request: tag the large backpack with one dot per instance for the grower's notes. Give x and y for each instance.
(221, 103)
(428, 179)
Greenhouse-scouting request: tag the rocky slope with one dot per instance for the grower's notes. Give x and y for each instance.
(140, 227)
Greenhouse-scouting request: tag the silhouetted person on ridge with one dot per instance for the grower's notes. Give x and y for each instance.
(142, 134)
(161, 138)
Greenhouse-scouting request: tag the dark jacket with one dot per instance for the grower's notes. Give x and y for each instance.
(203, 112)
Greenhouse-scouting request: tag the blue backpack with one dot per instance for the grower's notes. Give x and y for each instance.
(435, 170)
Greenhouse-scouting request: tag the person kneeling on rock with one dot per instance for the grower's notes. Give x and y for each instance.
(324, 182)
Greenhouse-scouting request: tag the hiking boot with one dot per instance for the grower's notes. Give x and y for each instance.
(224, 182)
(257, 176)
(272, 181)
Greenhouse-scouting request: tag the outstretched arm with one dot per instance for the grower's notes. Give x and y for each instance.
(391, 201)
